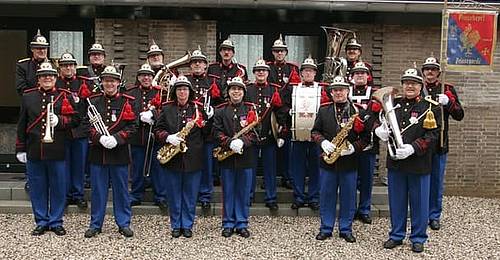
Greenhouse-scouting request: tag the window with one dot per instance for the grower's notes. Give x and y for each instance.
(63, 41)
(248, 49)
(300, 47)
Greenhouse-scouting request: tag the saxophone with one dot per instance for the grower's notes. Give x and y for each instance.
(168, 151)
(340, 141)
(221, 154)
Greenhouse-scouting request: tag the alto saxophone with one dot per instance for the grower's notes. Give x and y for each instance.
(221, 154)
(168, 151)
(340, 141)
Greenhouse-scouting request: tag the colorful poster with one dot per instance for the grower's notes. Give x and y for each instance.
(470, 39)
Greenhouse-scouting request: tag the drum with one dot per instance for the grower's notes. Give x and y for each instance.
(305, 106)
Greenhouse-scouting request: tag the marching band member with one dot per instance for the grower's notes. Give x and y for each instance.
(361, 94)
(266, 96)
(353, 54)
(155, 57)
(26, 69)
(431, 70)
(109, 154)
(96, 55)
(305, 153)
(410, 167)
(226, 70)
(283, 72)
(46, 114)
(148, 103)
(77, 142)
(207, 92)
(341, 120)
(229, 119)
(180, 123)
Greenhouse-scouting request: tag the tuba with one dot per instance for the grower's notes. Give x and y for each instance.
(163, 76)
(334, 64)
(385, 96)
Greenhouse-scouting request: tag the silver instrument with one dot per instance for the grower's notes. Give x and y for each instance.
(334, 64)
(96, 120)
(49, 129)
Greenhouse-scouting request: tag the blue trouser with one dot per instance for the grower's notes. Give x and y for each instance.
(76, 163)
(47, 191)
(366, 168)
(268, 154)
(207, 178)
(236, 194)
(138, 179)
(305, 161)
(345, 183)
(182, 191)
(415, 187)
(100, 176)
(437, 186)
(283, 160)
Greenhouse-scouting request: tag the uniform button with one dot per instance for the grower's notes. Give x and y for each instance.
(183, 121)
(43, 107)
(43, 119)
(109, 101)
(405, 109)
(108, 114)
(404, 123)
(143, 97)
(44, 94)
(43, 100)
(109, 107)
(107, 120)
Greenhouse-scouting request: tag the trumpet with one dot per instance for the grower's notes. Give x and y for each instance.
(96, 120)
(49, 129)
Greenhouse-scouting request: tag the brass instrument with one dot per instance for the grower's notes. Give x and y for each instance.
(96, 120)
(49, 129)
(168, 151)
(334, 64)
(340, 141)
(385, 96)
(163, 76)
(221, 154)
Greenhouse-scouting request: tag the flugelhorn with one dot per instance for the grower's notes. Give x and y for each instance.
(49, 129)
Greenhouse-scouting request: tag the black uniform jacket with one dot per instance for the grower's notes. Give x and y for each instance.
(224, 74)
(453, 109)
(26, 74)
(262, 96)
(423, 140)
(79, 89)
(373, 108)
(118, 115)
(145, 99)
(327, 126)
(282, 73)
(173, 118)
(33, 121)
(229, 119)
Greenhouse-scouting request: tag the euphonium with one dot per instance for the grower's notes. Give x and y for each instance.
(168, 151)
(385, 96)
(340, 141)
(163, 76)
(49, 129)
(221, 154)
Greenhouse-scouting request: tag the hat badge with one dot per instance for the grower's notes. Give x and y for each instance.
(338, 80)
(411, 72)
(260, 63)
(96, 46)
(146, 67)
(110, 69)
(45, 66)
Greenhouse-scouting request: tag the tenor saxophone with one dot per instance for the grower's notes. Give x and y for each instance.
(340, 141)
(168, 151)
(221, 154)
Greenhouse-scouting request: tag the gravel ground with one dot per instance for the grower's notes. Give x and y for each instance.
(470, 230)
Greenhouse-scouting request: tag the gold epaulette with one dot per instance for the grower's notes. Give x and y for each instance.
(23, 60)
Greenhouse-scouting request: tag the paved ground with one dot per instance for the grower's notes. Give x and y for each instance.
(471, 230)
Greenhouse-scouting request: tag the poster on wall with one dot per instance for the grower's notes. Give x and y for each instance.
(470, 39)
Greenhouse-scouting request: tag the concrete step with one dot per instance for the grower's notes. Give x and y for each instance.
(15, 191)
(257, 209)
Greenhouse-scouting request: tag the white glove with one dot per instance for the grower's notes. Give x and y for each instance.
(443, 99)
(147, 117)
(327, 146)
(404, 152)
(108, 142)
(54, 120)
(382, 132)
(237, 146)
(209, 111)
(280, 142)
(174, 139)
(22, 157)
(350, 150)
